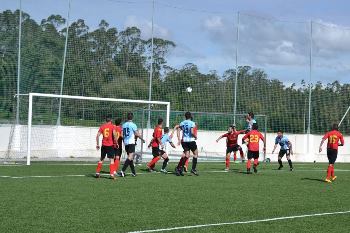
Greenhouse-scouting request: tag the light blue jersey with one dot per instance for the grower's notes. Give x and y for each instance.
(250, 124)
(129, 129)
(186, 127)
(283, 141)
(165, 138)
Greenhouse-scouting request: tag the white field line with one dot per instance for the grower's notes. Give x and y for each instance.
(241, 222)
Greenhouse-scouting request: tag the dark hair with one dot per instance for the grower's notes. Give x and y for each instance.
(130, 116)
(335, 126)
(255, 126)
(160, 121)
(251, 114)
(188, 115)
(281, 131)
(108, 117)
(118, 121)
(166, 130)
(232, 126)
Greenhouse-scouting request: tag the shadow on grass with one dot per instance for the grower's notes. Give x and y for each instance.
(313, 179)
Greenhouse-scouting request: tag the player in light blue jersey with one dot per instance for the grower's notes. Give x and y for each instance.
(250, 121)
(286, 149)
(188, 144)
(130, 134)
(166, 138)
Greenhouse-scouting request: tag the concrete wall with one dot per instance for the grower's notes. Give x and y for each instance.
(50, 142)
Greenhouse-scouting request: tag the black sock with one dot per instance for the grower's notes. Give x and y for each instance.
(132, 166)
(280, 162)
(126, 164)
(165, 162)
(194, 163)
(290, 163)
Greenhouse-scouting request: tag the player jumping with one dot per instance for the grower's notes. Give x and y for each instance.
(108, 141)
(333, 137)
(286, 149)
(232, 145)
(188, 144)
(253, 137)
(129, 133)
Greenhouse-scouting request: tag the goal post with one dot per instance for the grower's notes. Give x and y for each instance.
(82, 98)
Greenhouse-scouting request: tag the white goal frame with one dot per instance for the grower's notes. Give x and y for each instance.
(30, 110)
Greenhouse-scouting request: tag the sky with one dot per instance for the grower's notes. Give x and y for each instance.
(273, 34)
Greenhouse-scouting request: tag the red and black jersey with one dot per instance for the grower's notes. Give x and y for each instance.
(334, 137)
(107, 132)
(254, 137)
(119, 131)
(157, 135)
(232, 137)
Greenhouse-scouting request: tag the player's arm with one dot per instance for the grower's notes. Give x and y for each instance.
(222, 136)
(178, 135)
(98, 140)
(264, 141)
(172, 145)
(193, 133)
(290, 145)
(322, 141)
(244, 138)
(341, 140)
(275, 146)
(116, 137)
(137, 134)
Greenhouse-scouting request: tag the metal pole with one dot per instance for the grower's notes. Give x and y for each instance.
(29, 130)
(346, 113)
(19, 60)
(151, 71)
(310, 89)
(236, 77)
(64, 64)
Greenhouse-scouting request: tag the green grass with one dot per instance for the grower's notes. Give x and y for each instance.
(152, 201)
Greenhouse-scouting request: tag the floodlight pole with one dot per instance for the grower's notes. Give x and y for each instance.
(19, 60)
(151, 70)
(346, 113)
(310, 89)
(236, 73)
(64, 64)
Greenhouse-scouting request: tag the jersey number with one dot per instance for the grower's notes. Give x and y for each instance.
(333, 139)
(186, 129)
(126, 132)
(106, 133)
(254, 138)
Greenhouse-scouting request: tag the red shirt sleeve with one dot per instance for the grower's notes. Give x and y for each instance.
(224, 135)
(100, 129)
(261, 136)
(246, 136)
(341, 139)
(326, 135)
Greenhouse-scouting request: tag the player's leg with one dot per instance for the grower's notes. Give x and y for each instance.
(249, 157)
(111, 167)
(280, 156)
(131, 158)
(186, 164)
(256, 161)
(241, 153)
(289, 160)
(100, 162)
(156, 157)
(332, 156)
(194, 149)
(227, 160)
(118, 154)
(165, 162)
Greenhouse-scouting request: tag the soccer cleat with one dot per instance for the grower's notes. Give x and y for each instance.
(328, 180)
(291, 169)
(227, 169)
(133, 174)
(248, 171)
(194, 172)
(113, 177)
(97, 175)
(163, 171)
(334, 178)
(122, 174)
(255, 170)
(280, 167)
(185, 169)
(177, 172)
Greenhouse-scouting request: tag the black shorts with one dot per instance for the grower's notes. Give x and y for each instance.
(332, 155)
(189, 146)
(233, 148)
(284, 152)
(107, 150)
(130, 148)
(253, 154)
(118, 151)
(155, 151)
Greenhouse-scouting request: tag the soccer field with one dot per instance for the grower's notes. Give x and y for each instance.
(67, 198)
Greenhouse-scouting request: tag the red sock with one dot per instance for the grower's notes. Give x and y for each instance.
(241, 153)
(99, 167)
(249, 163)
(332, 171)
(155, 160)
(256, 161)
(111, 169)
(227, 162)
(235, 156)
(116, 164)
(329, 170)
(180, 162)
(186, 163)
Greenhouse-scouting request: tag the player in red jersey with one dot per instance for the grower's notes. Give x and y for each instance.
(252, 138)
(108, 141)
(118, 146)
(232, 144)
(333, 137)
(155, 143)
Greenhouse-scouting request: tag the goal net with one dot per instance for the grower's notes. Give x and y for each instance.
(63, 127)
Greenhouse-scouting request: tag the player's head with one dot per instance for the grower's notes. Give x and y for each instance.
(280, 133)
(166, 130)
(108, 118)
(130, 116)
(251, 115)
(335, 126)
(160, 121)
(117, 121)
(255, 126)
(188, 116)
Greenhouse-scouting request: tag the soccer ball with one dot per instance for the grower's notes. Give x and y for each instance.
(189, 89)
